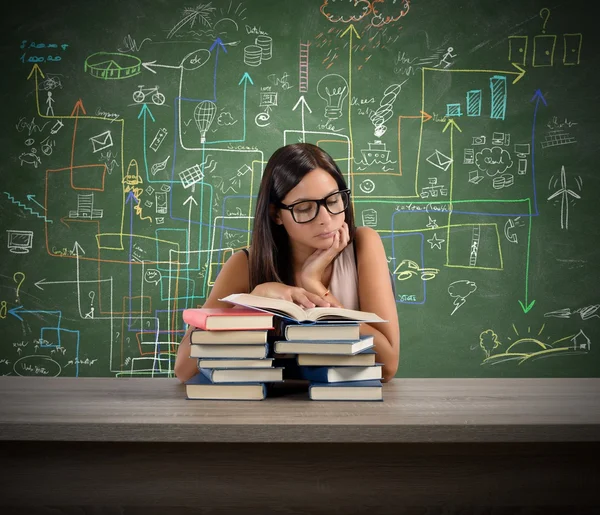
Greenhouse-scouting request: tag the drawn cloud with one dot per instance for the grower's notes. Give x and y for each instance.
(384, 13)
(462, 288)
(493, 161)
(346, 11)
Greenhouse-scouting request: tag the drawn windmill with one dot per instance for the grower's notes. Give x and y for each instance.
(564, 192)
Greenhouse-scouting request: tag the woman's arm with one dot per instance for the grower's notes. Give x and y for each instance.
(233, 278)
(376, 295)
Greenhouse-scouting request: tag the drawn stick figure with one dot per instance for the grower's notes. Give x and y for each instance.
(49, 102)
(447, 55)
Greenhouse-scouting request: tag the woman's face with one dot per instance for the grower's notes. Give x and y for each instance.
(318, 233)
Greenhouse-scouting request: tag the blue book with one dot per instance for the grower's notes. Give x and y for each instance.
(243, 375)
(347, 391)
(341, 374)
(200, 387)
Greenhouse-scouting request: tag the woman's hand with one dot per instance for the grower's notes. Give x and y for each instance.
(294, 294)
(319, 260)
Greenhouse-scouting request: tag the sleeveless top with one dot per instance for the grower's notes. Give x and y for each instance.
(344, 278)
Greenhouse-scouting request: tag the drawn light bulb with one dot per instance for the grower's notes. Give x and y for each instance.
(204, 114)
(333, 89)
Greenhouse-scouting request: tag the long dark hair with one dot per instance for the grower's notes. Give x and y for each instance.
(270, 253)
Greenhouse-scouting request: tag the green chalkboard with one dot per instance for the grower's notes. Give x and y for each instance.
(135, 134)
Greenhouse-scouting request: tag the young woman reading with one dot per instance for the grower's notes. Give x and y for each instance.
(306, 248)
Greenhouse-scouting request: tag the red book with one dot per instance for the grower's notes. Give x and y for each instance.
(227, 319)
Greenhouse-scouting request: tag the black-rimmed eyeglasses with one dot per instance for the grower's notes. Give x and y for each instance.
(305, 211)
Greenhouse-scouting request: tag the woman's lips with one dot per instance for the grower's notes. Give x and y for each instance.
(326, 235)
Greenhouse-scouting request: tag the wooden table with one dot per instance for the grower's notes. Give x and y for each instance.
(433, 445)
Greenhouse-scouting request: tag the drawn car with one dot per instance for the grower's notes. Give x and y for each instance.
(408, 268)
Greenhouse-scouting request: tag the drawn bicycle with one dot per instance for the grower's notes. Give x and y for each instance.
(140, 95)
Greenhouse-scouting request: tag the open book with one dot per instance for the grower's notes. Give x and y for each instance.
(290, 310)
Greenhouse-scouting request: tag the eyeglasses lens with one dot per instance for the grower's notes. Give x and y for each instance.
(307, 211)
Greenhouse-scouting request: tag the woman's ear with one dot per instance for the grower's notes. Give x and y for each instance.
(274, 214)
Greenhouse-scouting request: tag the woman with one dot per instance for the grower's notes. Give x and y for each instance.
(306, 248)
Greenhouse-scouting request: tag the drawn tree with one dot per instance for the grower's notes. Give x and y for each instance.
(192, 15)
(488, 341)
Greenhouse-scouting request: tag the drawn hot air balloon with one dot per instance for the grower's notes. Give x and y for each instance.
(204, 115)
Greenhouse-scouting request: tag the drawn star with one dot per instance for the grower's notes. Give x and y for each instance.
(436, 242)
(432, 224)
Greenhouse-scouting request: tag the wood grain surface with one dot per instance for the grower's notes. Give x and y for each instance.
(414, 410)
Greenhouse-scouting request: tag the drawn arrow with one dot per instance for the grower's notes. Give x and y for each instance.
(35, 71)
(191, 201)
(15, 312)
(537, 96)
(77, 249)
(77, 108)
(424, 117)
(218, 44)
(352, 32)
(452, 124)
(302, 102)
(131, 200)
(526, 306)
(145, 112)
(31, 198)
(150, 65)
(519, 74)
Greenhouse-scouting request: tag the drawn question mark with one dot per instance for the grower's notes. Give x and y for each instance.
(545, 18)
(19, 283)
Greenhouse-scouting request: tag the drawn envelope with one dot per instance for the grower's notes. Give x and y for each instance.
(440, 160)
(101, 141)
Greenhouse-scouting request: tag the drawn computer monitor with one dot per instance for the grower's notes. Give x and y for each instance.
(19, 242)
(522, 149)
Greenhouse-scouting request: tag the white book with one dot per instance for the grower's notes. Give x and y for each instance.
(243, 375)
(322, 332)
(290, 310)
(211, 350)
(365, 358)
(325, 347)
(201, 388)
(234, 363)
(226, 337)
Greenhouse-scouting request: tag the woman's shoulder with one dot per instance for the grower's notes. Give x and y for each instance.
(364, 236)
(240, 255)
(368, 245)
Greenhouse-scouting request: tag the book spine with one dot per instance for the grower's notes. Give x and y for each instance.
(316, 374)
(207, 372)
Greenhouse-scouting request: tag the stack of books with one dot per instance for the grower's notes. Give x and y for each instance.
(338, 363)
(231, 349)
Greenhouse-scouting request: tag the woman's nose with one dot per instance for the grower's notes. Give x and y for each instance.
(323, 216)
